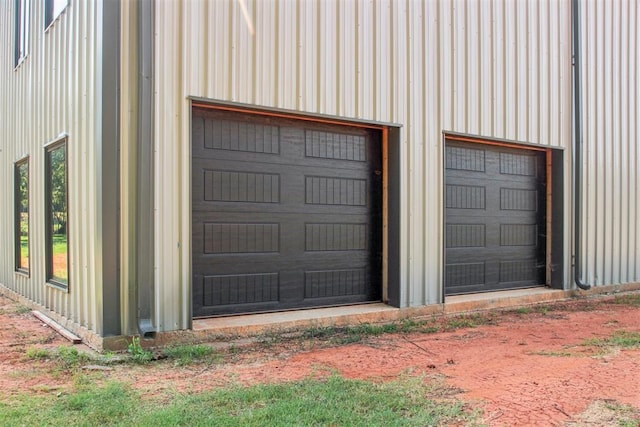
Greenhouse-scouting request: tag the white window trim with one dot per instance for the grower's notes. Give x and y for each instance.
(55, 15)
(22, 34)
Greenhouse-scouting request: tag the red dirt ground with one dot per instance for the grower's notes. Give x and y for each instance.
(531, 368)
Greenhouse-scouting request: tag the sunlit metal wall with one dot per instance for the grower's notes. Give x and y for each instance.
(497, 69)
(610, 56)
(54, 91)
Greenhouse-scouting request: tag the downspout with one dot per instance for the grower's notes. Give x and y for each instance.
(577, 148)
(145, 171)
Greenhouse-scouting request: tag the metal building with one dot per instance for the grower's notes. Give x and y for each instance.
(243, 156)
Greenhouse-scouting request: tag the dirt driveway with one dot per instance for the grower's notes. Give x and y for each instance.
(568, 363)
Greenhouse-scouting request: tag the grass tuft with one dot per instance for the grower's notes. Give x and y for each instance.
(187, 354)
(138, 353)
(38, 353)
(70, 357)
(622, 339)
(629, 299)
(22, 309)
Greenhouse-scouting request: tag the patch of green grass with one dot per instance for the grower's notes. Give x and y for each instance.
(70, 357)
(622, 339)
(469, 321)
(38, 353)
(544, 309)
(22, 309)
(332, 401)
(187, 354)
(112, 404)
(629, 299)
(523, 310)
(138, 353)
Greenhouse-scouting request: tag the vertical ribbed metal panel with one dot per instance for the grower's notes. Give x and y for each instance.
(430, 66)
(53, 91)
(611, 119)
(499, 69)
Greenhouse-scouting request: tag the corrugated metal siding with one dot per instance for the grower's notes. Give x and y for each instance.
(54, 91)
(497, 69)
(611, 126)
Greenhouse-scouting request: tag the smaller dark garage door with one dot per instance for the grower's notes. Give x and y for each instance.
(286, 214)
(495, 218)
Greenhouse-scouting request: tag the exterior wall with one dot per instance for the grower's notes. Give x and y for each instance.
(492, 69)
(55, 90)
(496, 69)
(611, 129)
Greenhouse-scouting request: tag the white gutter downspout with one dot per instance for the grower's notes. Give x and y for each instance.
(145, 179)
(577, 148)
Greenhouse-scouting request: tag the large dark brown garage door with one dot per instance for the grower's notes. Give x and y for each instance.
(495, 217)
(286, 214)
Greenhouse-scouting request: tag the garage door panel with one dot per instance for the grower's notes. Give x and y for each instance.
(286, 224)
(222, 139)
(237, 293)
(488, 253)
(263, 161)
(253, 263)
(494, 231)
(274, 167)
(242, 189)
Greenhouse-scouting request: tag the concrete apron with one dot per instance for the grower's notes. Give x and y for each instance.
(239, 327)
(232, 328)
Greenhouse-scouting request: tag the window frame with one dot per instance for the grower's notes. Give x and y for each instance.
(17, 197)
(22, 14)
(51, 15)
(51, 280)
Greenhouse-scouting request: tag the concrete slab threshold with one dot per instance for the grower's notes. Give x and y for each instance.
(255, 324)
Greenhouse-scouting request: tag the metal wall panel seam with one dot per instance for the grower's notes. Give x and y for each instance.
(543, 65)
(413, 90)
(635, 121)
(626, 149)
(618, 178)
(499, 105)
(521, 101)
(429, 128)
(533, 79)
(589, 87)
(511, 106)
(485, 71)
(437, 174)
(472, 52)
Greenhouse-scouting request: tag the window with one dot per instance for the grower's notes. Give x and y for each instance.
(21, 200)
(21, 30)
(52, 9)
(56, 198)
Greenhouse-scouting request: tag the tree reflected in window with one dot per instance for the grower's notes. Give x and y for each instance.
(57, 235)
(22, 215)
